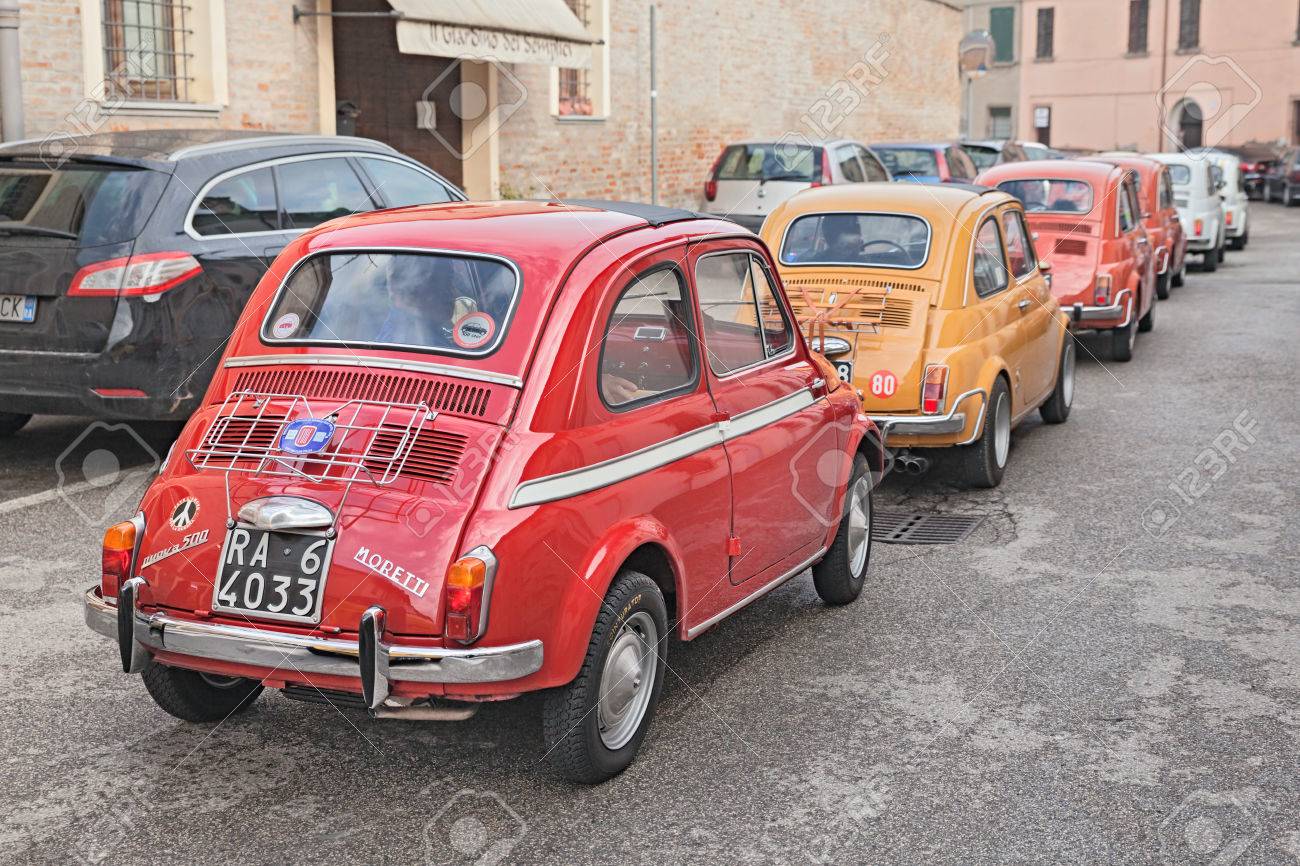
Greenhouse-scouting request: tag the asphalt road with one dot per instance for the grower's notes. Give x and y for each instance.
(1106, 671)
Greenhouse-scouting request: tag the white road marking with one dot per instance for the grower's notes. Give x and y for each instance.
(45, 496)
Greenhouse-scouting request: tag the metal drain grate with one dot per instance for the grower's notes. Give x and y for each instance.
(897, 527)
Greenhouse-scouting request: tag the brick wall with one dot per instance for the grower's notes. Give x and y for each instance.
(732, 70)
(271, 67)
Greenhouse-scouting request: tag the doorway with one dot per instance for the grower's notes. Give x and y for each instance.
(1190, 124)
(389, 96)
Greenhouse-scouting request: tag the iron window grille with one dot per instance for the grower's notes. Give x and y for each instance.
(575, 84)
(146, 49)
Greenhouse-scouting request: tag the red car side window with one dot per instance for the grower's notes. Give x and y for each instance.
(648, 350)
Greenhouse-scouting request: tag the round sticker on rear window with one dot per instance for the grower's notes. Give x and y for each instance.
(474, 330)
(285, 326)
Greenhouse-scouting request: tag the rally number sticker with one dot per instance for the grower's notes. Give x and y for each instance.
(883, 383)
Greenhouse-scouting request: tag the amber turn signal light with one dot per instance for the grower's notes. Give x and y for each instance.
(119, 542)
(464, 592)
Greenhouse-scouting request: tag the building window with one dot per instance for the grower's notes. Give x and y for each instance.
(999, 121)
(1189, 25)
(1002, 27)
(1139, 12)
(582, 92)
(146, 49)
(1046, 28)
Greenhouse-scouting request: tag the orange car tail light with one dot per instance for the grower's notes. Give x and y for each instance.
(935, 389)
(1101, 295)
(467, 588)
(119, 544)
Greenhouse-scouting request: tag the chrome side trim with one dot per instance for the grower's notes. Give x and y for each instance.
(378, 363)
(563, 485)
(294, 653)
(747, 600)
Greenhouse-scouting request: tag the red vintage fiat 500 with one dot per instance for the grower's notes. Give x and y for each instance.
(1155, 191)
(461, 452)
(1087, 226)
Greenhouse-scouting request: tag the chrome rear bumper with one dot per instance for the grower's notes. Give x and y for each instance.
(1121, 309)
(930, 425)
(292, 653)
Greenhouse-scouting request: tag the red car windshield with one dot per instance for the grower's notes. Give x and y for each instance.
(451, 304)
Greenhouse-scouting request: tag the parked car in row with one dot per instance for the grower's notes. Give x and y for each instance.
(128, 260)
(1196, 195)
(750, 178)
(416, 485)
(926, 162)
(1232, 196)
(1155, 193)
(1256, 161)
(933, 302)
(986, 154)
(1088, 223)
(1282, 180)
(1038, 150)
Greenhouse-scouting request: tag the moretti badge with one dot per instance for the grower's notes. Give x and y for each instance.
(307, 436)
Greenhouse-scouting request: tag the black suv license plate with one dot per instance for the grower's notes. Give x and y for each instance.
(273, 575)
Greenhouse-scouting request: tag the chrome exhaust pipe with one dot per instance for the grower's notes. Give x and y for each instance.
(425, 712)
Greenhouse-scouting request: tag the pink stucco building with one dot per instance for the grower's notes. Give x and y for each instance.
(1147, 74)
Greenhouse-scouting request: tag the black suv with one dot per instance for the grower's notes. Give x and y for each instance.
(126, 258)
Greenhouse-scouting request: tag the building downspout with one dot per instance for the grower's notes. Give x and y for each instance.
(11, 74)
(1161, 144)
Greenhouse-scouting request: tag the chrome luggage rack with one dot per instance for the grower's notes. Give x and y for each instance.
(835, 319)
(246, 433)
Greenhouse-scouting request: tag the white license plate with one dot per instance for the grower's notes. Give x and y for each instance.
(17, 308)
(273, 575)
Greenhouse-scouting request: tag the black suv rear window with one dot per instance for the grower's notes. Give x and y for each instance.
(453, 304)
(92, 204)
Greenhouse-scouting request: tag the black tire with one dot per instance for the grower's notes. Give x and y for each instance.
(979, 461)
(1288, 197)
(836, 579)
(1210, 261)
(1162, 286)
(1057, 407)
(1244, 239)
(1180, 277)
(12, 422)
(570, 716)
(1121, 343)
(195, 697)
(1147, 322)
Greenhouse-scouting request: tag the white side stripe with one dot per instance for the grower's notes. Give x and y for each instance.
(576, 481)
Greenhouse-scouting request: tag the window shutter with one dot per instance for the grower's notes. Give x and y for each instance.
(1002, 26)
(1138, 15)
(1189, 24)
(1046, 26)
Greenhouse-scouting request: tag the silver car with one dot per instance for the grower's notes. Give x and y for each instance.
(750, 178)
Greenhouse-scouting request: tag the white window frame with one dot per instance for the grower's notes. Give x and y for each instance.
(598, 73)
(210, 88)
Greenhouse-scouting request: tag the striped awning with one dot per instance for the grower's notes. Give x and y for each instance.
(507, 31)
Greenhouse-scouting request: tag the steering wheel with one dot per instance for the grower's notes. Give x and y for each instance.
(884, 242)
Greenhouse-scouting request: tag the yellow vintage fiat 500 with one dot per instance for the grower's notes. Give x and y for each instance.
(931, 300)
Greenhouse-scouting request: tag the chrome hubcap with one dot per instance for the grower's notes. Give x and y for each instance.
(1002, 429)
(627, 680)
(859, 534)
(1067, 373)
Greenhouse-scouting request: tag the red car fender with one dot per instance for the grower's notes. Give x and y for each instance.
(593, 577)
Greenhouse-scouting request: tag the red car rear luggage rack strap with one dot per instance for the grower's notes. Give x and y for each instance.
(369, 441)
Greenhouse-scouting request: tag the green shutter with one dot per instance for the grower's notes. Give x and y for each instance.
(1002, 26)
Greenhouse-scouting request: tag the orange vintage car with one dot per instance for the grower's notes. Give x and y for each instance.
(1155, 192)
(932, 301)
(1088, 225)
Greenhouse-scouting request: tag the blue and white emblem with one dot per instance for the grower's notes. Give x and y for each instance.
(307, 436)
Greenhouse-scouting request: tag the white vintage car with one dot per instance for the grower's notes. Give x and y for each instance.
(1197, 185)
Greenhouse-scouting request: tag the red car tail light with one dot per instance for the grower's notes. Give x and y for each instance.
(119, 544)
(134, 276)
(1229, 217)
(1101, 295)
(826, 178)
(935, 390)
(468, 588)
(1198, 227)
(711, 185)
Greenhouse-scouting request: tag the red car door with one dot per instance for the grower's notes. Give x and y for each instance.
(770, 398)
